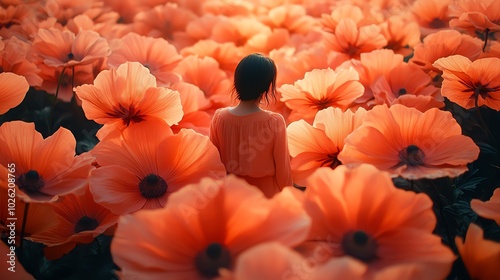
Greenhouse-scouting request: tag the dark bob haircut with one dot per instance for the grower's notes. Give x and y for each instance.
(255, 77)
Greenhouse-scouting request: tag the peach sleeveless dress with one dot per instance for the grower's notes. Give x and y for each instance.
(253, 147)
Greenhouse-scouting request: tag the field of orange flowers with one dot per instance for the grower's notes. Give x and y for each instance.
(392, 111)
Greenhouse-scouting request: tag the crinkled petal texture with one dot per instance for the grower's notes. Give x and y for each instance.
(480, 256)
(146, 151)
(410, 143)
(471, 84)
(313, 146)
(228, 212)
(53, 166)
(320, 89)
(395, 225)
(126, 96)
(488, 209)
(13, 88)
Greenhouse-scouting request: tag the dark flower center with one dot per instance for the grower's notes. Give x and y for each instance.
(482, 91)
(331, 161)
(152, 186)
(412, 156)
(86, 223)
(322, 103)
(360, 245)
(214, 257)
(30, 182)
(437, 23)
(71, 56)
(402, 91)
(127, 115)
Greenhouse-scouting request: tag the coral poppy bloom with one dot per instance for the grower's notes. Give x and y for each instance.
(156, 54)
(488, 209)
(480, 256)
(56, 47)
(238, 30)
(206, 73)
(471, 84)
(351, 40)
(396, 86)
(475, 16)
(320, 89)
(431, 15)
(79, 219)
(317, 145)
(359, 213)
(410, 143)
(372, 66)
(214, 221)
(292, 17)
(442, 44)
(45, 168)
(141, 167)
(128, 95)
(13, 89)
(402, 35)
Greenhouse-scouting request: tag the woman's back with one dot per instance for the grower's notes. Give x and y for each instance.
(254, 147)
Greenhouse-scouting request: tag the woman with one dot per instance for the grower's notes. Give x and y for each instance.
(252, 142)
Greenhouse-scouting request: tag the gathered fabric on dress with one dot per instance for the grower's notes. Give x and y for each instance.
(253, 147)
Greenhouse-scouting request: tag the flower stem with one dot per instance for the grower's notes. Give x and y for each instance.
(23, 227)
(486, 33)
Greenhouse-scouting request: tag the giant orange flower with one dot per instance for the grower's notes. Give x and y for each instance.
(206, 73)
(141, 167)
(13, 89)
(442, 44)
(402, 35)
(79, 219)
(156, 54)
(417, 92)
(480, 256)
(45, 168)
(471, 84)
(488, 209)
(56, 47)
(128, 95)
(360, 213)
(204, 228)
(352, 41)
(475, 16)
(431, 15)
(410, 143)
(320, 89)
(317, 145)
